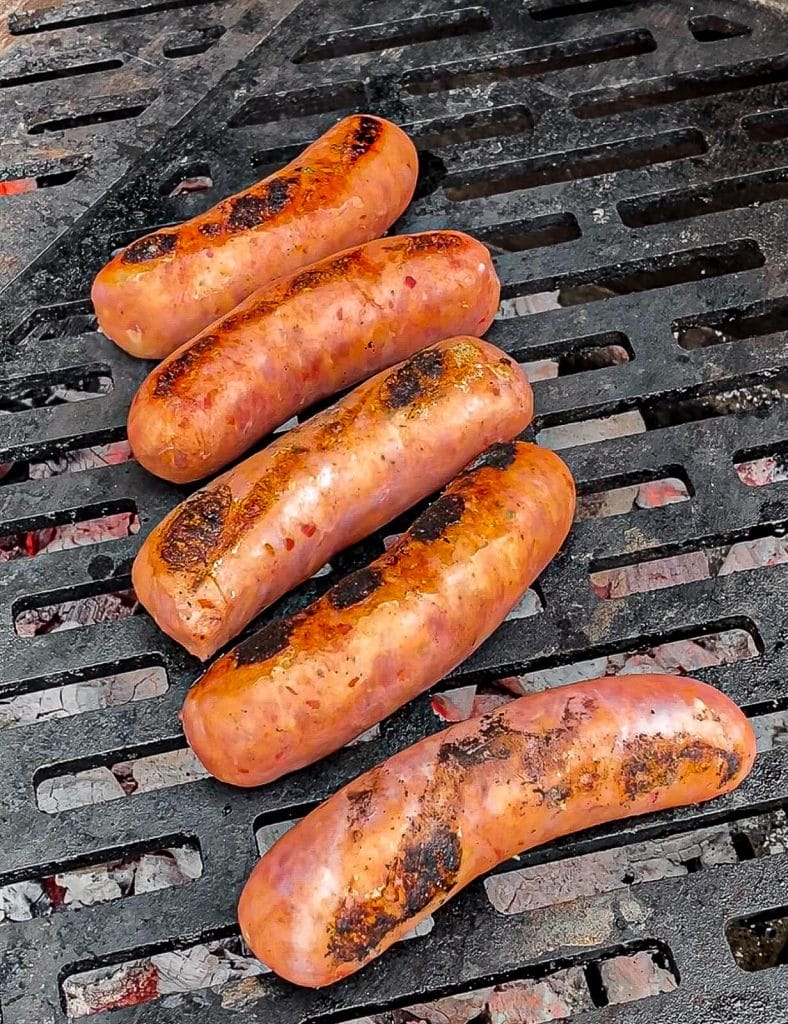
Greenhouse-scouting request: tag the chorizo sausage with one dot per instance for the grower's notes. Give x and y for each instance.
(376, 858)
(302, 338)
(304, 686)
(346, 188)
(259, 529)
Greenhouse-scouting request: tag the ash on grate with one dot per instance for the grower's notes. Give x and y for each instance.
(83, 887)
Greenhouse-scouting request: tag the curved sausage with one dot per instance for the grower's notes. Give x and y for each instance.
(304, 686)
(347, 187)
(376, 858)
(267, 524)
(304, 337)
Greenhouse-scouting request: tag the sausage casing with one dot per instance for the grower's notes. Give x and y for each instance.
(302, 338)
(376, 858)
(348, 187)
(259, 529)
(304, 686)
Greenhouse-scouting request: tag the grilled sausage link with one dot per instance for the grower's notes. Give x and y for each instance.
(302, 338)
(267, 524)
(376, 858)
(304, 686)
(346, 188)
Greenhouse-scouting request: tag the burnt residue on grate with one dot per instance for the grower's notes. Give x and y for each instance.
(625, 162)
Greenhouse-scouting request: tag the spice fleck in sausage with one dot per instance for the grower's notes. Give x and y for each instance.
(376, 858)
(346, 188)
(305, 337)
(304, 686)
(259, 529)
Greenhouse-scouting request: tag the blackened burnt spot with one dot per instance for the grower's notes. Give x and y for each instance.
(407, 382)
(497, 456)
(493, 740)
(434, 241)
(210, 229)
(168, 377)
(269, 641)
(250, 209)
(434, 521)
(363, 137)
(190, 540)
(358, 929)
(150, 247)
(653, 762)
(354, 588)
(335, 269)
(360, 801)
(430, 867)
(578, 708)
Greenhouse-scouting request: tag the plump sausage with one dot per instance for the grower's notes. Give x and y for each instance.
(304, 686)
(267, 524)
(304, 337)
(376, 858)
(347, 187)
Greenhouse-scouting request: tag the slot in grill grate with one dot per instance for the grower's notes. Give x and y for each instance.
(625, 161)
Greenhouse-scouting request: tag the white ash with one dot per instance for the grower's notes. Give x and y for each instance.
(202, 966)
(637, 976)
(84, 611)
(529, 604)
(692, 566)
(525, 305)
(762, 472)
(83, 887)
(71, 535)
(86, 695)
(590, 874)
(622, 500)
(113, 454)
(570, 435)
(98, 785)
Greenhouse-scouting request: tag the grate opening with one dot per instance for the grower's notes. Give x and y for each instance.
(719, 196)
(548, 10)
(194, 176)
(55, 459)
(536, 60)
(54, 73)
(690, 562)
(89, 12)
(84, 605)
(678, 88)
(148, 866)
(509, 120)
(30, 179)
(67, 529)
(574, 355)
(762, 466)
(189, 44)
(406, 31)
(759, 941)
(711, 28)
(217, 961)
(299, 103)
(721, 326)
(102, 778)
(553, 990)
(48, 389)
(766, 127)
(529, 233)
(81, 691)
(122, 112)
(627, 278)
(635, 492)
(624, 154)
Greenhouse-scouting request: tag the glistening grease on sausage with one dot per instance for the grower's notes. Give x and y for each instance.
(304, 686)
(346, 188)
(233, 547)
(302, 338)
(376, 858)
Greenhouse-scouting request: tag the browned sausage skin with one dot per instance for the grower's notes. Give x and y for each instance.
(272, 521)
(346, 188)
(306, 685)
(302, 338)
(376, 858)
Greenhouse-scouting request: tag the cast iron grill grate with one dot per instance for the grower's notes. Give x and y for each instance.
(627, 163)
